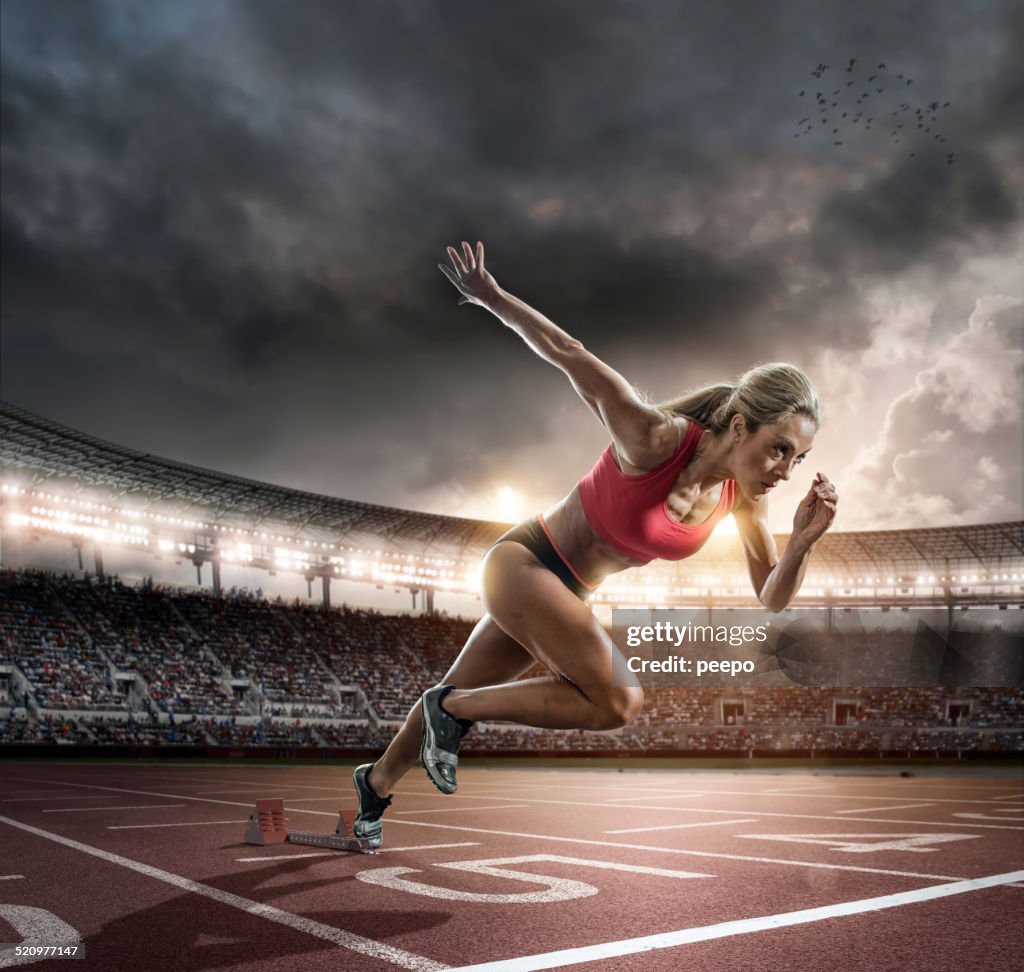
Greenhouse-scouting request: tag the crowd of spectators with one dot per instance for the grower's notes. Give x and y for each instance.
(266, 732)
(141, 631)
(947, 740)
(40, 637)
(351, 735)
(252, 672)
(149, 734)
(392, 658)
(258, 641)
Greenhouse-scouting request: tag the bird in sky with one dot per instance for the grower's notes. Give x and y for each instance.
(838, 111)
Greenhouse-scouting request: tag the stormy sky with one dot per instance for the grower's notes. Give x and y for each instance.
(221, 223)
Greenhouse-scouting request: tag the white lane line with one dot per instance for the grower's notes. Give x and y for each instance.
(760, 813)
(744, 926)
(198, 823)
(746, 809)
(286, 857)
(580, 840)
(183, 796)
(574, 803)
(344, 939)
(263, 795)
(153, 806)
(902, 806)
(553, 785)
(379, 850)
(685, 794)
(502, 806)
(173, 796)
(959, 824)
(687, 853)
(705, 823)
(349, 798)
(843, 797)
(56, 799)
(12, 877)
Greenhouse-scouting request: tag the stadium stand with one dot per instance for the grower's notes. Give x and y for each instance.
(88, 660)
(68, 642)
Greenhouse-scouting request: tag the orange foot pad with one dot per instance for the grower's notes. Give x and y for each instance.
(267, 824)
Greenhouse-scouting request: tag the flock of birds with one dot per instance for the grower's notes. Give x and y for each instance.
(876, 105)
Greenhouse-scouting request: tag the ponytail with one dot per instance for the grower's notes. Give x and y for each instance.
(703, 405)
(764, 395)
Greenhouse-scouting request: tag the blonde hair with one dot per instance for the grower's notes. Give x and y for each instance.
(764, 395)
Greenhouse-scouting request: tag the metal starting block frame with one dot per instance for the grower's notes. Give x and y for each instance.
(267, 826)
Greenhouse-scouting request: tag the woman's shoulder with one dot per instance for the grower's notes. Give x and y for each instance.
(666, 440)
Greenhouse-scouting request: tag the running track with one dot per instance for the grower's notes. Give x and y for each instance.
(144, 867)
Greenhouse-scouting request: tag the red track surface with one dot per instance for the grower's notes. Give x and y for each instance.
(163, 895)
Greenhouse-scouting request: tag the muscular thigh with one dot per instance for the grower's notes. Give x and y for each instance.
(536, 609)
(489, 657)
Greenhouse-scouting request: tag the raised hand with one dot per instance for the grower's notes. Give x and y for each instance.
(468, 275)
(816, 511)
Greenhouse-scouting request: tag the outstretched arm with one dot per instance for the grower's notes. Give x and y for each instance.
(643, 435)
(776, 580)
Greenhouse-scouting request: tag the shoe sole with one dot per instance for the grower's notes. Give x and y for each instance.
(428, 741)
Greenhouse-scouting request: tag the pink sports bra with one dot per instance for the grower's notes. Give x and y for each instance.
(631, 512)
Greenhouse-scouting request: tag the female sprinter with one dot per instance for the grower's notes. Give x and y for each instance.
(671, 472)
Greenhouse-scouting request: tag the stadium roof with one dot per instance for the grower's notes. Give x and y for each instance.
(71, 463)
(38, 454)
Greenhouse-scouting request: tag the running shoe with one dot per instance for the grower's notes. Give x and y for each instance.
(371, 807)
(442, 734)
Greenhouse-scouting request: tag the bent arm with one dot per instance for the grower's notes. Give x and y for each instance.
(776, 579)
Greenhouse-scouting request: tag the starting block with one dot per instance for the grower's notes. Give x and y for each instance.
(267, 826)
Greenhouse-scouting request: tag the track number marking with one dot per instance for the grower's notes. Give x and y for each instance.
(999, 810)
(558, 889)
(36, 926)
(868, 843)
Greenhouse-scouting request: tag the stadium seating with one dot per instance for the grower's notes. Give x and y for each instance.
(105, 663)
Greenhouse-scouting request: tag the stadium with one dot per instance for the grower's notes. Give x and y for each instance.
(262, 422)
(94, 660)
(142, 707)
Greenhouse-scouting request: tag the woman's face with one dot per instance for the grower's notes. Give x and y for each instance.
(763, 459)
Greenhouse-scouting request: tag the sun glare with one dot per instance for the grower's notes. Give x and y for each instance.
(508, 505)
(726, 527)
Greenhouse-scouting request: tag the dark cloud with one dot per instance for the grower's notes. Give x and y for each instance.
(220, 222)
(913, 214)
